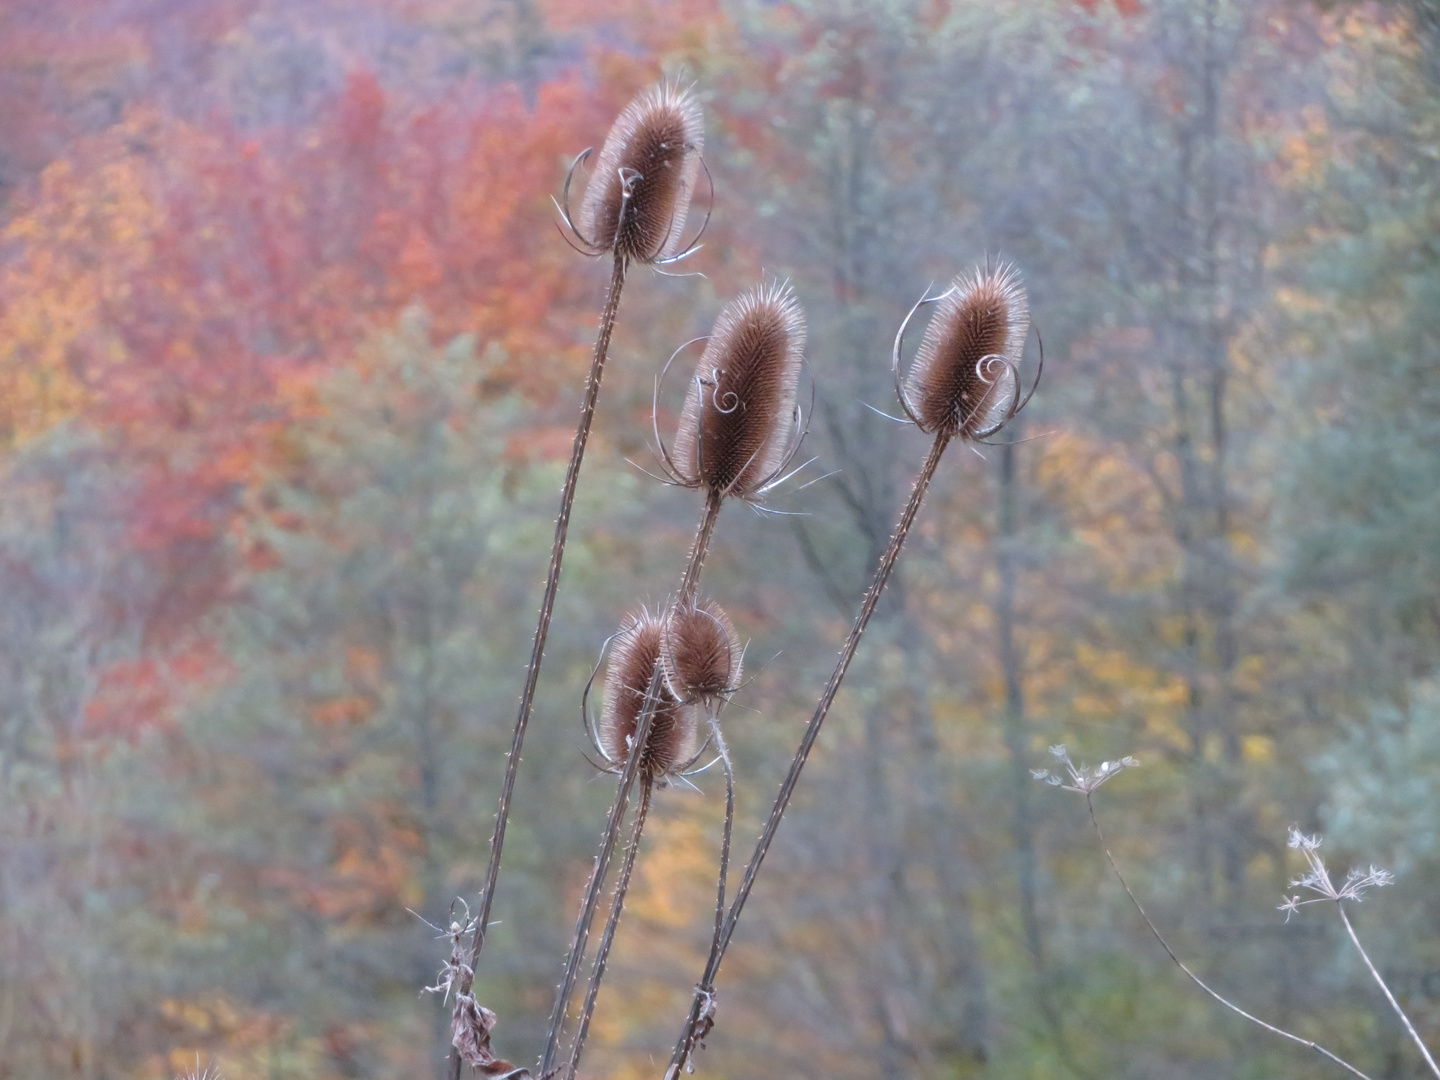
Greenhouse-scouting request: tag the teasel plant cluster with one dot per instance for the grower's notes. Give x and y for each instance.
(666, 674)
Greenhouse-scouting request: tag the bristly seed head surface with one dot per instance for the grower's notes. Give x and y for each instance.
(737, 427)
(634, 656)
(701, 653)
(637, 198)
(964, 376)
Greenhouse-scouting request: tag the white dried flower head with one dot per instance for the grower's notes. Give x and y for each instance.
(1317, 878)
(1082, 779)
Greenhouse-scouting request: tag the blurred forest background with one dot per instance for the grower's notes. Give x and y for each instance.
(290, 353)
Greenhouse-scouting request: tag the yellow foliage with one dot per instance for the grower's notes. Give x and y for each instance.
(675, 880)
(87, 234)
(1258, 749)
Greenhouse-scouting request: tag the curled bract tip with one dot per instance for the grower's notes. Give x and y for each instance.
(965, 380)
(639, 194)
(740, 427)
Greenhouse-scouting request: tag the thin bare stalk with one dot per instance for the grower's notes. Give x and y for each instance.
(597, 875)
(1115, 869)
(724, 753)
(689, 582)
(607, 938)
(701, 1009)
(1424, 1050)
(542, 628)
(547, 603)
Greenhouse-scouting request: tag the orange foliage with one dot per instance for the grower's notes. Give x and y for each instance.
(133, 696)
(175, 283)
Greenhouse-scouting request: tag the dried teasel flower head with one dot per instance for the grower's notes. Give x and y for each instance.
(674, 732)
(637, 198)
(700, 653)
(965, 380)
(740, 425)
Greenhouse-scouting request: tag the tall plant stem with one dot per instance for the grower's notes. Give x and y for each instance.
(591, 898)
(700, 1006)
(607, 938)
(542, 628)
(689, 582)
(1154, 930)
(724, 753)
(1424, 1050)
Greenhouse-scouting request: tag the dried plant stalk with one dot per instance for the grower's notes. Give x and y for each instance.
(628, 775)
(542, 629)
(702, 1005)
(1394, 1005)
(634, 208)
(607, 938)
(654, 701)
(1086, 787)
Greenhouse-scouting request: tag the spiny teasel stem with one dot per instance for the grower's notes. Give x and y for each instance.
(602, 864)
(1155, 931)
(542, 628)
(1355, 939)
(699, 1014)
(724, 752)
(689, 582)
(702, 1008)
(691, 579)
(607, 938)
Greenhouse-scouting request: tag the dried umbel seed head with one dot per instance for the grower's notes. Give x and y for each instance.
(964, 381)
(634, 655)
(638, 196)
(738, 427)
(701, 653)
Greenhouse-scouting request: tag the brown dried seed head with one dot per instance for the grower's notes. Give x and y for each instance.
(637, 198)
(701, 653)
(956, 385)
(634, 655)
(738, 421)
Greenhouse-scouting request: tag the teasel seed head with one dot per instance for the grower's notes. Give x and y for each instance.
(701, 654)
(674, 732)
(965, 381)
(739, 428)
(637, 198)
